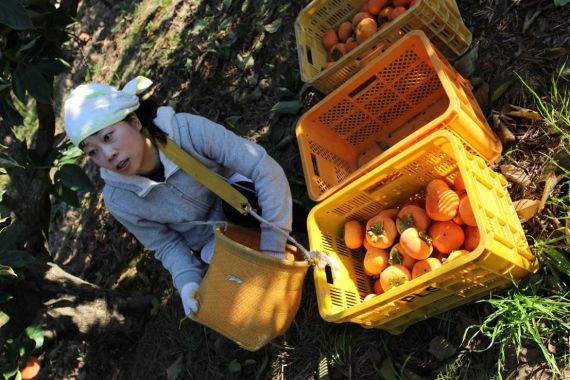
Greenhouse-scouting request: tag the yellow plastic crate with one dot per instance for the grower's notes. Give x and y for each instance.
(439, 19)
(408, 92)
(503, 254)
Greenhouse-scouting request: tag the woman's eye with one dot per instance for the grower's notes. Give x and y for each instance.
(107, 136)
(91, 153)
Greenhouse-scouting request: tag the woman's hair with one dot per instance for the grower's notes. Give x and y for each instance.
(146, 114)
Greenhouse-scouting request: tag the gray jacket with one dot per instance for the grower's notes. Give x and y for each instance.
(179, 214)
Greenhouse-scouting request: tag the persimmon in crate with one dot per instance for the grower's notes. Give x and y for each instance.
(437, 260)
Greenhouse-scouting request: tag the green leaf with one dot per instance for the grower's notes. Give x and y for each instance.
(4, 318)
(36, 334)
(290, 107)
(13, 14)
(15, 258)
(8, 162)
(65, 194)
(11, 373)
(18, 84)
(388, 371)
(5, 297)
(501, 88)
(274, 26)
(37, 85)
(561, 3)
(8, 112)
(7, 271)
(74, 178)
(52, 67)
(234, 366)
(175, 369)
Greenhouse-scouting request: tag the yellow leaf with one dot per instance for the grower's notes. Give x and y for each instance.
(549, 184)
(515, 174)
(526, 208)
(524, 113)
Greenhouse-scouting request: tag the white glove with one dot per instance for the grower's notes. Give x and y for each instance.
(188, 301)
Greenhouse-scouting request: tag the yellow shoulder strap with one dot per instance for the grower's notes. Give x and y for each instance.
(202, 174)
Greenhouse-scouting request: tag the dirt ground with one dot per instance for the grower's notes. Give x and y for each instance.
(225, 61)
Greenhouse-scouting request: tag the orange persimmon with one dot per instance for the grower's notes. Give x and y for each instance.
(412, 216)
(398, 256)
(381, 231)
(364, 29)
(344, 31)
(359, 17)
(416, 244)
(330, 38)
(353, 234)
(397, 12)
(446, 236)
(472, 238)
(394, 275)
(456, 254)
(375, 261)
(424, 266)
(465, 211)
(442, 204)
(375, 6)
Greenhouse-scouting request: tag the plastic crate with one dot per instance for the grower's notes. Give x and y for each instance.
(407, 93)
(502, 256)
(439, 19)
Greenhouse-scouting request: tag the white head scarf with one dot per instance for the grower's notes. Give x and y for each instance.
(91, 107)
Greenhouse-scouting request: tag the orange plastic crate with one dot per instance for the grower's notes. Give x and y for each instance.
(403, 95)
(503, 254)
(439, 19)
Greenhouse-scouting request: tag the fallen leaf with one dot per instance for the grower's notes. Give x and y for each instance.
(526, 208)
(441, 348)
(551, 181)
(554, 53)
(500, 88)
(524, 113)
(175, 369)
(515, 174)
(274, 26)
(502, 128)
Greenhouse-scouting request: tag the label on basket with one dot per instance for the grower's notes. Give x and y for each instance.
(424, 293)
(234, 279)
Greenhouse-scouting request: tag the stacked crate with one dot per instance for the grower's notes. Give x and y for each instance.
(390, 124)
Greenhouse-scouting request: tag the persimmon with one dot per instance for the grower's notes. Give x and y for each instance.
(31, 369)
(381, 231)
(412, 216)
(330, 38)
(394, 275)
(397, 12)
(425, 266)
(446, 236)
(391, 213)
(359, 17)
(365, 28)
(385, 13)
(457, 219)
(337, 51)
(465, 211)
(371, 295)
(412, 3)
(398, 256)
(350, 44)
(472, 238)
(375, 6)
(353, 234)
(375, 261)
(401, 3)
(364, 7)
(456, 254)
(442, 205)
(458, 183)
(437, 185)
(416, 244)
(344, 31)
(378, 287)
(366, 245)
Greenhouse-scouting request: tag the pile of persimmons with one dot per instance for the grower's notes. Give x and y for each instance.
(404, 243)
(373, 16)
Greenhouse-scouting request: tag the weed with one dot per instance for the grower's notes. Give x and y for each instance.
(529, 314)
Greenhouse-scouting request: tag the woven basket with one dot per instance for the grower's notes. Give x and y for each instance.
(249, 297)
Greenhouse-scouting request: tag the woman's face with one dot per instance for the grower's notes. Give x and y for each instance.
(121, 148)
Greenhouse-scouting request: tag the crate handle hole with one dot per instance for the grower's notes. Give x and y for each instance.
(309, 56)
(363, 86)
(328, 273)
(315, 165)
